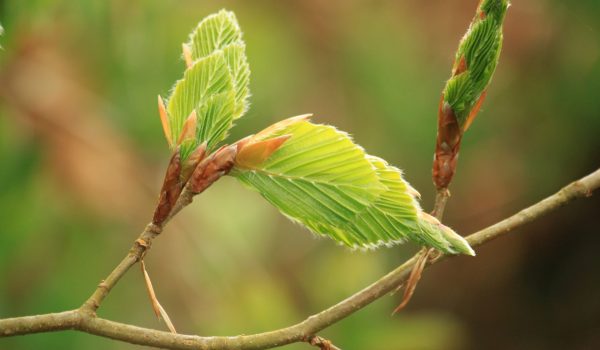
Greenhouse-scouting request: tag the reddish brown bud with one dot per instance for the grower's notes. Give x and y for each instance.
(170, 191)
(447, 146)
(192, 162)
(212, 168)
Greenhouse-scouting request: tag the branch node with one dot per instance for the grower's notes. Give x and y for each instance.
(321, 343)
(142, 243)
(103, 285)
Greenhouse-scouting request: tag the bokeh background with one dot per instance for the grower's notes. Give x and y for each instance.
(82, 157)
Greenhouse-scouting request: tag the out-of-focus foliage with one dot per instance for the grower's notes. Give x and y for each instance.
(80, 168)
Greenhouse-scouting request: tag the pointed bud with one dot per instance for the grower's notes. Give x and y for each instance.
(475, 63)
(251, 155)
(187, 55)
(212, 168)
(164, 119)
(171, 189)
(189, 128)
(447, 146)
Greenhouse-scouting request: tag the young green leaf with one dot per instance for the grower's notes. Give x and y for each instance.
(221, 31)
(315, 175)
(213, 33)
(214, 85)
(476, 60)
(206, 78)
(474, 65)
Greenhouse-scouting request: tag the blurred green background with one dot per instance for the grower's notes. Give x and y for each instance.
(82, 157)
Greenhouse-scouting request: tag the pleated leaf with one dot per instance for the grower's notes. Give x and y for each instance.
(397, 210)
(207, 78)
(235, 55)
(213, 33)
(317, 176)
(221, 31)
(476, 60)
(214, 85)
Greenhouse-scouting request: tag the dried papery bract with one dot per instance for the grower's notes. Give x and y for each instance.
(159, 311)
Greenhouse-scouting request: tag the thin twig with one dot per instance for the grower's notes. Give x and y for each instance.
(87, 322)
(140, 246)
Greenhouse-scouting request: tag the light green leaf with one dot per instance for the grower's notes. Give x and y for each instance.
(214, 33)
(320, 178)
(215, 85)
(215, 114)
(221, 31)
(476, 60)
(235, 56)
(400, 215)
(208, 76)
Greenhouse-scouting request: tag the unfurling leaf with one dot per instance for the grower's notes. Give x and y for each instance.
(476, 60)
(315, 175)
(214, 89)
(474, 65)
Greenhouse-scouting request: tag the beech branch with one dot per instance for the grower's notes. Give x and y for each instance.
(85, 320)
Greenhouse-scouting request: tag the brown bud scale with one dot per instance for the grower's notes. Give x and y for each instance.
(170, 191)
(212, 168)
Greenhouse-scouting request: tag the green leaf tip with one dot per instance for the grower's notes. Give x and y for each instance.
(214, 90)
(317, 176)
(476, 60)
